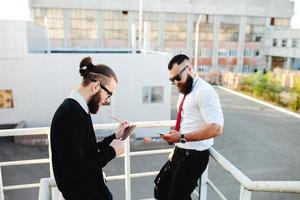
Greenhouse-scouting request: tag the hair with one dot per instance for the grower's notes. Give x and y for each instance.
(90, 72)
(178, 59)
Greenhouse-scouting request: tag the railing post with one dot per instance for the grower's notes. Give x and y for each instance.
(54, 191)
(1, 186)
(245, 194)
(44, 191)
(127, 170)
(203, 185)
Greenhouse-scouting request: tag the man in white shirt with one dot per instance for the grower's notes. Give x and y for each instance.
(199, 120)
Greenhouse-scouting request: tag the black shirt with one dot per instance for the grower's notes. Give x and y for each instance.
(77, 158)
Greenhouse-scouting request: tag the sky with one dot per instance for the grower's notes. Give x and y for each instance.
(18, 10)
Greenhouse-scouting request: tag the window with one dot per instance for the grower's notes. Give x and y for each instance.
(282, 22)
(248, 52)
(6, 99)
(175, 27)
(294, 42)
(222, 52)
(284, 42)
(153, 94)
(257, 53)
(229, 28)
(205, 28)
(152, 19)
(258, 38)
(115, 25)
(272, 21)
(83, 24)
(52, 18)
(274, 42)
(232, 52)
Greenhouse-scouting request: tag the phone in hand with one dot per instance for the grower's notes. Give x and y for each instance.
(160, 133)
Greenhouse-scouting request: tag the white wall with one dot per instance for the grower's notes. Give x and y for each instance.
(13, 39)
(40, 82)
(270, 8)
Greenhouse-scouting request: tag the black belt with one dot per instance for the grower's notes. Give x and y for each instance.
(189, 151)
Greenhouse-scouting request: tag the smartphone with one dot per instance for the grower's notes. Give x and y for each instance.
(161, 134)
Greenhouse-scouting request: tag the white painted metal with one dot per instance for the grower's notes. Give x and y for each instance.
(245, 194)
(140, 23)
(127, 170)
(216, 190)
(24, 162)
(23, 186)
(203, 184)
(196, 43)
(1, 186)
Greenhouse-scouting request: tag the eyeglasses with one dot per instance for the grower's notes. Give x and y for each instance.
(109, 93)
(178, 76)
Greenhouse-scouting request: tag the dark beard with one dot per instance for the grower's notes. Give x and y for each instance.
(187, 86)
(94, 103)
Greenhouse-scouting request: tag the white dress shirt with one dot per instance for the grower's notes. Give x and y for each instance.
(201, 106)
(79, 98)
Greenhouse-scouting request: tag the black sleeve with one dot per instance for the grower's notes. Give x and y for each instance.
(73, 136)
(106, 142)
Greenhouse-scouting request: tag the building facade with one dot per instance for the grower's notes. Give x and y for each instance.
(282, 49)
(231, 38)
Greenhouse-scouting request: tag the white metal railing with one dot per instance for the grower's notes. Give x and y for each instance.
(246, 185)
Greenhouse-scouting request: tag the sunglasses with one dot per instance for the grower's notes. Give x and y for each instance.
(178, 76)
(109, 93)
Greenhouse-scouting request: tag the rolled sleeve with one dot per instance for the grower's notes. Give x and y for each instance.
(210, 107)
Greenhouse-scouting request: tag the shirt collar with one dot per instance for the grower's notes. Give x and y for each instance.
(79, 98)
(196, 79)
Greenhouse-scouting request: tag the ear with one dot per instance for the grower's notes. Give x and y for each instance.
(95, 86)
(190, 69)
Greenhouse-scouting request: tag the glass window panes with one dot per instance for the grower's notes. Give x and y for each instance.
(153, 94)
(115, 25)
(83, 24)
(175, 27)
(52, 18)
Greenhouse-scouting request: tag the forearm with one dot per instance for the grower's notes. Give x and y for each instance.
(204, 133)
(106, 141)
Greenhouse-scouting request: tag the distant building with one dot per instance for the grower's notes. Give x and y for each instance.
(231, 32)
(282, 49)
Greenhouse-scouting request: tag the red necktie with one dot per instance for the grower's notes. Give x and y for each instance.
(177, 127)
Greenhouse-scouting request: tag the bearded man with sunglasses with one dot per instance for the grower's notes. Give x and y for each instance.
(199, 120)
(77, 157)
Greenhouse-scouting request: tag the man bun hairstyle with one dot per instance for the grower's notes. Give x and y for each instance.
(91, 72)
(178, 59)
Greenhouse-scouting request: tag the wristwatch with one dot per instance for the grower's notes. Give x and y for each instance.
(182, 139)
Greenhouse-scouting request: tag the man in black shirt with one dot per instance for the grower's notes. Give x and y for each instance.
(77, 157)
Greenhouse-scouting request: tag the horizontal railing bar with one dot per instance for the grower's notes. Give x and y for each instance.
(136, 175)
(24, 186)
(25, 162)
(257, 186)
(23, 132)
(150, 152)
(108, 126)
(275, 186)
(236, 173)
(147, 124)
(214, 187)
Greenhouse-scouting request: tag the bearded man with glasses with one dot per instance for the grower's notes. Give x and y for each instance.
(199, 120)
(77, 157)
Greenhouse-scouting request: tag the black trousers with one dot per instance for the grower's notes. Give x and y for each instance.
(178, 178)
